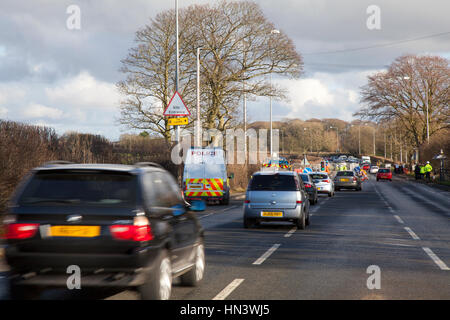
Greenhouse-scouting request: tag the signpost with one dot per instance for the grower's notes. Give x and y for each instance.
(177, 121)
(176, 107)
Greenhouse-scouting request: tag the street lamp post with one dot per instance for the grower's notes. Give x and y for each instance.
(374, 144)
(337, 136)
(177, 70)
(198, 138)
(274, 31)
(359, 139)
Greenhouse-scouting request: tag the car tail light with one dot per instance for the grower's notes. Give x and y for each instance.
(307, 185)
(299, 201)
(139, 231)
(246, 201)
(355, 179)
(327, 181)
(20, 230)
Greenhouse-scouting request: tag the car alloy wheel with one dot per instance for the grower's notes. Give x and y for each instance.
(200, 263)
(165, 279)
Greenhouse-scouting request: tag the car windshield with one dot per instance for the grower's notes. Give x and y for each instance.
(319, 176)
(80, 187)
(383, 171)
(345, 173)
(275, 182)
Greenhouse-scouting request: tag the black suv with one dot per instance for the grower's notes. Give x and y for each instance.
(123, 226)
(310, 187)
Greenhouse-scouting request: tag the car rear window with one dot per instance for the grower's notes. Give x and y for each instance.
(345, 173)
(304, 177)
(275, 182)
(319, 176)
(383, 171)
(88, 187)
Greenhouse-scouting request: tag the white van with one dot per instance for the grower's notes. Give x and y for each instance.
(365, 159)
(205, 175)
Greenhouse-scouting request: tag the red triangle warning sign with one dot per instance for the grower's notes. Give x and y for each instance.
(176, 107)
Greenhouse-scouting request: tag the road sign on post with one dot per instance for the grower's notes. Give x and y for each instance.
(176, 107)
(178, 121)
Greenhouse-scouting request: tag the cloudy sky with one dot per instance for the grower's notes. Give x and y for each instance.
(52, 75)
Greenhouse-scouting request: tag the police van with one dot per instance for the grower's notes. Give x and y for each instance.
(205, 175)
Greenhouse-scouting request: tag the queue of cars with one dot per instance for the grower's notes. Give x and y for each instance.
(130, 226)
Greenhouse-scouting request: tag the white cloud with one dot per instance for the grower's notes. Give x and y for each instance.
(3, 112)
(9, 93)
(35, 110)
(84, 91)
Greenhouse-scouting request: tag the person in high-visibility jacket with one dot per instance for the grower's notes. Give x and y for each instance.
(428, 168)
(422, 171)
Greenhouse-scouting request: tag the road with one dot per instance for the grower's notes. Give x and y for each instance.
(401, 227)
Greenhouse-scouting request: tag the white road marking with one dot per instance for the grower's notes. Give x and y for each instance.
(228, 289)
(399, 219)
(267, 254)
(221, 211)
(391, 210)
(411, 233)
(287, 235)
(436, 259)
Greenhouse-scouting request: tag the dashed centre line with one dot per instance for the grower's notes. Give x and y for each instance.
(441, 264)
(399, 219)
(411, 233)
(290, 232)
(228, 289)
(267, 254)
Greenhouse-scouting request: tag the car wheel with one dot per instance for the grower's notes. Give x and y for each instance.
(194, 276)
(337, 189)
(330, 194)
(301, 222)
(158, 285)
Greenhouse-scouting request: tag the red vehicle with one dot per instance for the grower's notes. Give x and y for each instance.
(384, 173)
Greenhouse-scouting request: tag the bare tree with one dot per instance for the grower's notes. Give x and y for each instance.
(404, 92)
(150, 69)
(237, 45)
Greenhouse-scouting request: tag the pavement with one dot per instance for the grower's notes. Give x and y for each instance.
(398, 230)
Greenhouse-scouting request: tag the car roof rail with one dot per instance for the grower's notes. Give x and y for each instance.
(148, 164)
(56, 163)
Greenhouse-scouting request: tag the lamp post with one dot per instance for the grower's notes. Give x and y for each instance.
(310, 135)
(177, 64)
(337, 136)
(198, 138)
(274, 31)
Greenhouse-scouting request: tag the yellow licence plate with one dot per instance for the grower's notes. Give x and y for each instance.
(75, 231)
(272, 214)
(345, 180)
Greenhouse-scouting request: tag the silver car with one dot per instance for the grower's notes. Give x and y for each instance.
(276, 196)
(347, 180)
(323, 183)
